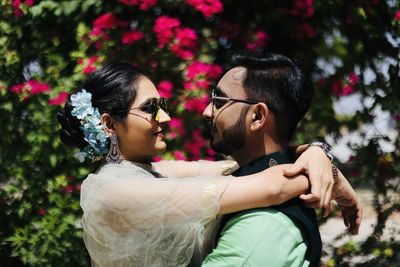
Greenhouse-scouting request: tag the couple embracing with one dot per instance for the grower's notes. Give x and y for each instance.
(178, 213)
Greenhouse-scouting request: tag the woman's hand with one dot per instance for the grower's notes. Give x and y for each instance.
(348, 203)
(317, 166)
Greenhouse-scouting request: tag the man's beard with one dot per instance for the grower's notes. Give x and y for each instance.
(233, 138)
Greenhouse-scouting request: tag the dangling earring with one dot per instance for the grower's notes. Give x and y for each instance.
(114, 155)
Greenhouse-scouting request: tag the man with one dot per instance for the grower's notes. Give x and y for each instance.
(254, 112)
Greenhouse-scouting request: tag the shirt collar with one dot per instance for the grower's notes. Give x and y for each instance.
(264, 162)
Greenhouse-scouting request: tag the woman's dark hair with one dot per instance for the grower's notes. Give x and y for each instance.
(113, 90)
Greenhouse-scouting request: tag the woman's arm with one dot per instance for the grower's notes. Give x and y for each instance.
(128, 200)
(182, 169)
(267, 188)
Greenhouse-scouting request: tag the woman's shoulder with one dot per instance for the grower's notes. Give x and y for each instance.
(125, 169)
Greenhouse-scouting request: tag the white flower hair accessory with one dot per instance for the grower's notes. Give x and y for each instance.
(93, 130)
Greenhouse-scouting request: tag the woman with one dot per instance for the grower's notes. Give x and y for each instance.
(132, 217)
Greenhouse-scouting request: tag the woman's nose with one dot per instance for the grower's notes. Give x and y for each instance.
(163, 116)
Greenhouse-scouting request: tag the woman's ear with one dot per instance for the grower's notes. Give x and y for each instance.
(259, 115)
(108, 121)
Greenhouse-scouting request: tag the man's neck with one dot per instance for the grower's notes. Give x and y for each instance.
(251, 152)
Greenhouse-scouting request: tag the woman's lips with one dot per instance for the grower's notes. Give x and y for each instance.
(160, 134)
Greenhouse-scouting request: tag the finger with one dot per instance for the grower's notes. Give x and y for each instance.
(309, 198)
(326, 211)
(315, 181)
(328, 194)
(345, 219)
(356, 222)
(296, 168)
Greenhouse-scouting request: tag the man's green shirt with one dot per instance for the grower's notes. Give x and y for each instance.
(259, 237)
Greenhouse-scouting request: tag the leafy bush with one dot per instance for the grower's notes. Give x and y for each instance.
(347, 48)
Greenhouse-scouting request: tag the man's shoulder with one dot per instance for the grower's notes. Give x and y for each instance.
(259, 237)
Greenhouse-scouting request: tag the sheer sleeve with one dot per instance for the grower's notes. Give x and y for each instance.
(132, 218)
(181, 168)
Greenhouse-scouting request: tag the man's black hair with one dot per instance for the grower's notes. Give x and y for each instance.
(277, 81)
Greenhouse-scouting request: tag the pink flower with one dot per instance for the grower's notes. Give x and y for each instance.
(190, 86)
(156, 158)
(179, 155)
(186, 37)
(259, 40)
(214, 72)
(147, 4)
(89, 68)
(69, 189)
(17, 88)
(42, 212)
(17, 10)
(339, 89)
(129, 2)
(347, 90)
(59, 100)
(303, 8)
(29, 2)
(197, 104)
(31, 87)
(197, 69)
(108, 21)
(176, 125)
(130, 37)
(37, 87)
(165, 88)
(185, 43)
(396, 117)
(211, 152)
(164, 29)
(207, 7)
(144, 4)
(353, 78)
(202, 84)
(182, 53)
(397, 15)
(306, 30)
(78, 187)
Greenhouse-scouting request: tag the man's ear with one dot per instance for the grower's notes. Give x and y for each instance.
(109, 122)
(259, 113)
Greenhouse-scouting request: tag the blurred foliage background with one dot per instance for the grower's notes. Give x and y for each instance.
(47, 47)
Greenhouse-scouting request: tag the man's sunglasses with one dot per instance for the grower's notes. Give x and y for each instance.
(219, 101)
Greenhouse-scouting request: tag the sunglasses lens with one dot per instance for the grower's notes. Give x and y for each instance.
(155, 105)
(164, 104)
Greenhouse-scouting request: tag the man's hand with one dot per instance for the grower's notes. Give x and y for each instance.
(318, 167)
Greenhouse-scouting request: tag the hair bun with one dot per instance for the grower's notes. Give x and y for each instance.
(70, 134)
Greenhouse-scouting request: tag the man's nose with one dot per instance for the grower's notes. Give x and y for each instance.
(207, 113)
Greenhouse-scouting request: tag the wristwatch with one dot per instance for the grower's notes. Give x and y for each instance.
(325, 147)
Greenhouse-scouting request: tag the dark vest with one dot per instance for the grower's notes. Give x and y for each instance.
(303, 217)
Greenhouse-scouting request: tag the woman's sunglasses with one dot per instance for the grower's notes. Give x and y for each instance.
(153, 106)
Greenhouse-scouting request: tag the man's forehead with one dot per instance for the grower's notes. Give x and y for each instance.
(232, 80)
(236, 75)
